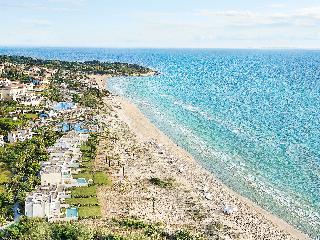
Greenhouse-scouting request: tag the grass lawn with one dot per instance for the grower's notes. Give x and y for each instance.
(30, 115)
(81, 192)
(4, 175)
(89, 212)
(101, 178)
(86, 175)
(87, 166)
(92, 201)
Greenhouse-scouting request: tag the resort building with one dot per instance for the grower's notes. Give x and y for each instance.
(13, 92)
(20, 134)
(1, 68)
(45, 202)
(1, 140)
(31, 100)
(56, 176)
(51, 175)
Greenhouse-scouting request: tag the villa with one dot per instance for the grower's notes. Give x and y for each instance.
(31, 100)
(51, 175)
(13, 91)
(1, 141)
(20, 134)
(45, 202)
(56, 176)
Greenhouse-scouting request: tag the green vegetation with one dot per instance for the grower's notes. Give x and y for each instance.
(86, 175)
(19, 168)
(4, 175)
(6, 204)
(49, 135)
(126, 229)
(8, 124)
(101, 178)
(14, 74)
(30, 116)
(54, 94)
(89, 67)
(83, 192)
(91, 201)
(91, 98)
(89, 212)
(23, 159)
(166, 183)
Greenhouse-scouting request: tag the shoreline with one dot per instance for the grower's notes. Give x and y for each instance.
(250, 213)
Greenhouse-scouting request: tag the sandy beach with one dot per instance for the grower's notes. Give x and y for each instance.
(134, 152)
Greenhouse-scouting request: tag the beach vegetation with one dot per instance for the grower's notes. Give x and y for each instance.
(122, 229)
(184, 235)
(165, 183)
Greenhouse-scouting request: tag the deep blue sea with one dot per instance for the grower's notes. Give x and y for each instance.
(252, 117)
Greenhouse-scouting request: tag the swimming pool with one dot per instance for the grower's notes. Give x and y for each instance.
(82, 181)
(72, 213)
(63, 106)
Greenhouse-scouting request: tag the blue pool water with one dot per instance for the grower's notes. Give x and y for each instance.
(252, 117)
(75, 126)
(82, 180)
(63, 106)
(72, 213)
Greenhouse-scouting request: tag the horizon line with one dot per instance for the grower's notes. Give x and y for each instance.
(177, 48)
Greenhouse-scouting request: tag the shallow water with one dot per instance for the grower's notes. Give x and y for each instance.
(252, 117)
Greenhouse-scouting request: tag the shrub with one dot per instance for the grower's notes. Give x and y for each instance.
(167, 183)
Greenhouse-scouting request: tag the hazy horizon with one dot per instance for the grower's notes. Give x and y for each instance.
(143, 24)
(164, 48)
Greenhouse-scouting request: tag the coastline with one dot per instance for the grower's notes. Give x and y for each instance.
(250, 220)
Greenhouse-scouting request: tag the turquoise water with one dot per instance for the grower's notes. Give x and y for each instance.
(82, 180)
(73, 126)
(252, 117)
(63, 106)
(72, 213)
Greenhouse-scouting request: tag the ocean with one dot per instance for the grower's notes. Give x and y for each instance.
(251, 117)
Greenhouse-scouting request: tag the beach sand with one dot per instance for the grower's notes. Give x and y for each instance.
(191, 197)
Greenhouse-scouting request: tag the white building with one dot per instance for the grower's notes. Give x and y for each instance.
(13, 92)
(37, 205)
(56, 173)
(31, 100)
(1, 140)
(45, 202)
(51, 175)
(1, 68)
(20, 134)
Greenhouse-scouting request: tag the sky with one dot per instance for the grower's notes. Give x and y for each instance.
(161, 23)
